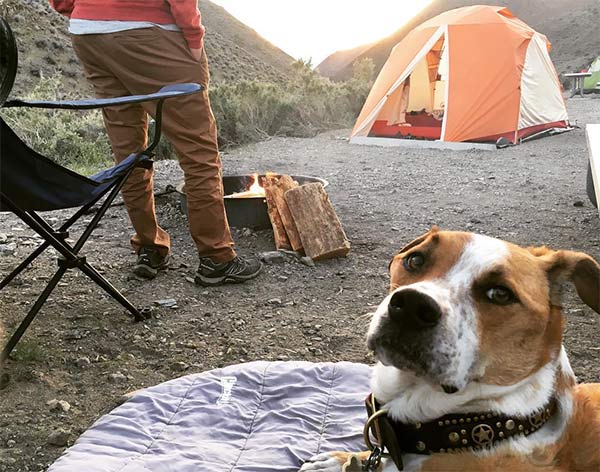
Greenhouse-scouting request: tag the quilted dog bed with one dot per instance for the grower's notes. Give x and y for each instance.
(253, 417)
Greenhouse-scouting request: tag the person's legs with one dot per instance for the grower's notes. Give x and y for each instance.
(126, 128)
(190, 126)
(145, 60)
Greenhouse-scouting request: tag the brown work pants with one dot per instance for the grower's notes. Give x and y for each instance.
(141, 61)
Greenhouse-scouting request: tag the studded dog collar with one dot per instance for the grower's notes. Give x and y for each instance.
(450, 433)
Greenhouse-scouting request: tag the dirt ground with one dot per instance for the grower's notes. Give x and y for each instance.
(82, 349)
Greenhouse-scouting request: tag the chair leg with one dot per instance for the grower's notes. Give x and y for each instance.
(70, 255)
(23, 265)
(112, 291)
(62, 230)
(12, 342)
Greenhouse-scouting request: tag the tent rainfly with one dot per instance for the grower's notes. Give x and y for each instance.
(473, 74)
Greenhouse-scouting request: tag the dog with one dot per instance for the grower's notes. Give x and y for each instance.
(471, 371)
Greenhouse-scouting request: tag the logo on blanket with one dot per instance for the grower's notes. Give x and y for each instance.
(227, 384)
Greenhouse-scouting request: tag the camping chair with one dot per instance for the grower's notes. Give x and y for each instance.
(30, 182)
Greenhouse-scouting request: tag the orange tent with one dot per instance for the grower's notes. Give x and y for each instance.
(471, 74)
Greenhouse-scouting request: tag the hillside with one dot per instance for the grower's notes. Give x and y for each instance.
(570, 25)
(341, 59)
(235, 51)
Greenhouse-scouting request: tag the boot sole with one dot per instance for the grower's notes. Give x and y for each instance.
(148, 272)
(225, 279)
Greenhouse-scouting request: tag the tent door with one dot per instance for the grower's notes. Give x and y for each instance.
(422, 93)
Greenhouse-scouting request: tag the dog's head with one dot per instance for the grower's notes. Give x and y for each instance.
(465, 307)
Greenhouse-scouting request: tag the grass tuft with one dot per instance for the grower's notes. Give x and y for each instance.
(28, 350)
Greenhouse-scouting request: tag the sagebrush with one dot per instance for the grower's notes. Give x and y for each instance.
(74, 139)
(246, 111)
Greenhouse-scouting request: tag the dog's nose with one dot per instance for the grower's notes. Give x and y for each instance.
(414, 310)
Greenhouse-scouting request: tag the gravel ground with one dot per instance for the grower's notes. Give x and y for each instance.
(84, 353)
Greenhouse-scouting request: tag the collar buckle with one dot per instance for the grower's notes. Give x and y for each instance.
(379, 426)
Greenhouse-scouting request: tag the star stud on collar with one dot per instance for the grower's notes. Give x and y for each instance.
(482, 434)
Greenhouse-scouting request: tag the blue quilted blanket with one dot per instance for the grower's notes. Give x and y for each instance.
(253, 417)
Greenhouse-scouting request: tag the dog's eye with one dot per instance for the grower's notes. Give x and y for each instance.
(500, 295)
(413, 262)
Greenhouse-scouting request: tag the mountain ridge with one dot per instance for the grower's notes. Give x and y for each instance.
(235, 51)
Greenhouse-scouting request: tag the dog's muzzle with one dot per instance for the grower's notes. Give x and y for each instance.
(406, 331)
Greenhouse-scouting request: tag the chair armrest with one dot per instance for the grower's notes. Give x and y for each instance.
(169, 91)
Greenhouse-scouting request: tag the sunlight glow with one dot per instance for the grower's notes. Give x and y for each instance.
(313, 29)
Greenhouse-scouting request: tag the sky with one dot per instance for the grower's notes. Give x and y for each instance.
(314, 29)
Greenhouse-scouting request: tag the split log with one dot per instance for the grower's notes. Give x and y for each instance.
(281, 239)
(277, 188)
(320, 228)
(284, 184)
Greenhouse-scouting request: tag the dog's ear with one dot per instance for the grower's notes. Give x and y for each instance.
(432, 232)
(577, 267)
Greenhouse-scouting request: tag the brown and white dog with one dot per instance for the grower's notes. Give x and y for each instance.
(474, 324)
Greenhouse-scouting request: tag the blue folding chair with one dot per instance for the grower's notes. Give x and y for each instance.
(31, 183)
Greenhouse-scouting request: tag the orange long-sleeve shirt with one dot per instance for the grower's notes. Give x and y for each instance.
(183, 13)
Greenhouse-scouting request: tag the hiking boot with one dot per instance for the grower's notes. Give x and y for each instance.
(149, 262)
(238, 270)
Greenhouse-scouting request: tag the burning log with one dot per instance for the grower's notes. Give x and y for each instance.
(254, 191)
(318, 225)
(284, 228)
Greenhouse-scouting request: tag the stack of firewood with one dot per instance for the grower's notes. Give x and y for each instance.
(303, 218)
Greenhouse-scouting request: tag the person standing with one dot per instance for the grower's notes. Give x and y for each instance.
(131, 47)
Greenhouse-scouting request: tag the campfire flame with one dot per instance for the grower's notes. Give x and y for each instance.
(256, 187)
(256, 190)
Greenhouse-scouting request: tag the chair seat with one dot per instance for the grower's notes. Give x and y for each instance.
(34, 182)
(109, 175)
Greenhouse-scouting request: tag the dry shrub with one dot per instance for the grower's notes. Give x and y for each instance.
(246, 111)
(74, 139)
(308, 103)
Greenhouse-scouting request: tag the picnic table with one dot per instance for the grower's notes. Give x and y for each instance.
(578, 78)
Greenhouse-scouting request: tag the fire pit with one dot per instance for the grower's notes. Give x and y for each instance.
(245, 203)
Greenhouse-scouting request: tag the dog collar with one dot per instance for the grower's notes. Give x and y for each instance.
(450, 433)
